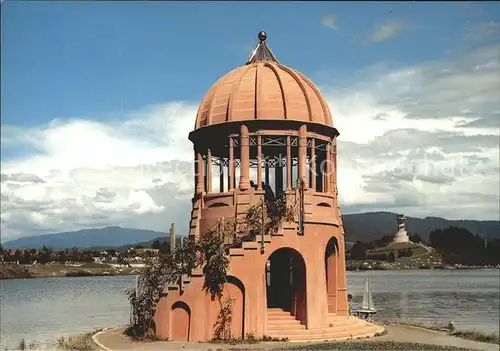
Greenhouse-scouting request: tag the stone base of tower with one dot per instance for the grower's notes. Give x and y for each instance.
(293, 290)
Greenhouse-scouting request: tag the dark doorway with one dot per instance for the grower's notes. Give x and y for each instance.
(286, 282)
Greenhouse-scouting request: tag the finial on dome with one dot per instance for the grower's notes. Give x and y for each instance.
(262, 36)
(262, 52)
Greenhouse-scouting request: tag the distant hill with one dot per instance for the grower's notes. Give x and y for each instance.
(109, 237)
(147, 244)
(374, 225)
(359, 226)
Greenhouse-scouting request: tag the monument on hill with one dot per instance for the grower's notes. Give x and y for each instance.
(263, 131)
(401, 235)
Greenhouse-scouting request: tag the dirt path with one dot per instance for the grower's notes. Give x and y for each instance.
(113, 340)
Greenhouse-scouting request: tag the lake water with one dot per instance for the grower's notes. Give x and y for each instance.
(45, 309)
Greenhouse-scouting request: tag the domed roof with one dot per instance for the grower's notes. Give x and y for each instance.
(263, 89)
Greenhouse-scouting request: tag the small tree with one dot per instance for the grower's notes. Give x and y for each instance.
(156, 245)
(45, 254)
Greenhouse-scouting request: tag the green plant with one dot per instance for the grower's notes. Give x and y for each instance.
(209, 252)
(214, 259)
(22, 345)
(158, 272)
(81, 342)
(223, 324)
(267, 216)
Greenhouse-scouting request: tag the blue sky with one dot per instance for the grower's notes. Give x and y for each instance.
(90, 89)
(94, 58)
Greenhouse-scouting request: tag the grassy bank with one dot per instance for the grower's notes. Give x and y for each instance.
(492, 338)
(80, 342)
(16, 271)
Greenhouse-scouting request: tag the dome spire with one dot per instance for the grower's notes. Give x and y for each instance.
(262, 52)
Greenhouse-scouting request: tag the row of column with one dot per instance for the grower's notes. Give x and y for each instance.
(329, 178)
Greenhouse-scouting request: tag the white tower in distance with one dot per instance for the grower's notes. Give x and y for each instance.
(401, 235)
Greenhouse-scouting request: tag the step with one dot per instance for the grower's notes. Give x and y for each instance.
(236, 252)
(197, 272)
(279, 313)
(281, 321)
(285, 325)
(280, 318)
(267, 239)
(250, 245)
(348, 322)
(281, 328)
(360, 329)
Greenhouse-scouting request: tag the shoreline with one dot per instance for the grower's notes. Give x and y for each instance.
(18, 271)
(15, 271)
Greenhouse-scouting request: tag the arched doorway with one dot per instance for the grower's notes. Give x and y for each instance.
(180, 321)
(286, 282)
(331, 269)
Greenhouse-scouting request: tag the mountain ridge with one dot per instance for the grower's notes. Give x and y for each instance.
(366, 226)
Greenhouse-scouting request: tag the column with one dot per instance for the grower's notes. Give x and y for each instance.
(230, 185)
(333, 181)
(200, 186)
(342, 308)
(195, 162)
(278, 176)
(327, 169)
(313, 164)
(289, 165)
(244, 158)
(334, 165)
(209, 171)
(172, 237)
(303, 155)
(266, 171)
(319, 171)
(221, 174)
(259, 162)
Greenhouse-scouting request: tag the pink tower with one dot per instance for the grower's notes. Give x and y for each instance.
(264, 126)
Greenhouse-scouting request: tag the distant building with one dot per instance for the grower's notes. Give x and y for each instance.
(401, 235)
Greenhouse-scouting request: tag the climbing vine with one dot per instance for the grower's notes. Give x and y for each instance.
(214, 258)
(267, 216)
(222, 330)
(158, 272)
(209, 252)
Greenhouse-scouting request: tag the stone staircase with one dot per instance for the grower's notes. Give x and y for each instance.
(281, 324)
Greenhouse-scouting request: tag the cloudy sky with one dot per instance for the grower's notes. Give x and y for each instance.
(98, 99)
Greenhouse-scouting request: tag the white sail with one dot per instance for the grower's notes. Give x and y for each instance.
(367, 303)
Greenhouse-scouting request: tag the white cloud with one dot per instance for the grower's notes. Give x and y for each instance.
(384, 31)
(430, 138)
(330, 21)
(418, 140)
(85, 170)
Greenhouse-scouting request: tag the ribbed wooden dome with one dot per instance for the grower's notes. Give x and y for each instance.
(263, 89)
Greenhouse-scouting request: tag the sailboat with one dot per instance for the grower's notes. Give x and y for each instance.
(367, 306)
